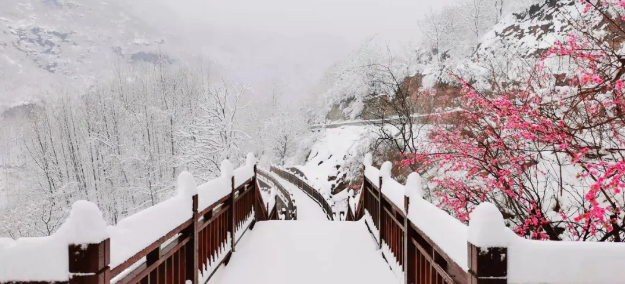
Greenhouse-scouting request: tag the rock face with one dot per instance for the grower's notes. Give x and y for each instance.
(48, 43)
(523, 36)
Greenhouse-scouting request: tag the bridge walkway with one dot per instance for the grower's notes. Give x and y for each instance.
(306, 252)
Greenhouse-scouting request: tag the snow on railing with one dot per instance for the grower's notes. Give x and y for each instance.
(134, 233)
(47, 259)
(412, 232)
(174, 235)
(338, 204)
(287, 208)
(324, 201)
(549, 262)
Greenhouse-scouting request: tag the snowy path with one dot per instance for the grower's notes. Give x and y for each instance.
(306, 252)
(307, 208)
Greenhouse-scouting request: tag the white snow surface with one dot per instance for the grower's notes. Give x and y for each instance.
(374, 230)
(335, 147)
(487, 228)
(211, 191)
(565, 262)
(547, 262)
(269, 198)
(34, 259)
(393, 190)
(46, 258)
(371, 172)
(306, 252)
(307, 208)
(85, 224)
(136, 232)
(245, 172)
(414, 185)
(443, 229)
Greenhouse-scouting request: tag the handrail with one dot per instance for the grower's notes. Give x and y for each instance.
(309, 190)
(423, 244)
(208, 239)
(287, 205)
(405, 244)
(192, 251)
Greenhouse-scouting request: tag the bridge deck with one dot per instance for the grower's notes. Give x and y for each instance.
(307, 208)
(306, 252)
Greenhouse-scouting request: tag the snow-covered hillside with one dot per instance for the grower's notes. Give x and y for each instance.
(517, 38)
(45, 44)
(336, 157)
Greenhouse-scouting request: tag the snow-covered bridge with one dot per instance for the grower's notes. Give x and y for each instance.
(231, 230)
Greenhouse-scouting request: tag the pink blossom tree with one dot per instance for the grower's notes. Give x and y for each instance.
(550, 152)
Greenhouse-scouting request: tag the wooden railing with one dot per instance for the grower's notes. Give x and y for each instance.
(308, 189)
(286, 206)
(422, 261)
(190, 252)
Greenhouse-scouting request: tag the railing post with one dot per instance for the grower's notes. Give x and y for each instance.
(257, 196)
(88, 263)
(487, 246)
(408, 261)
(231, 216)
(89, 248)
(191, 248)
(411, 190)
(380, 213)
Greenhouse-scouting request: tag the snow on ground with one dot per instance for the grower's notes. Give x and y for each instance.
(307, 209)
(336, 154)
(306, 252)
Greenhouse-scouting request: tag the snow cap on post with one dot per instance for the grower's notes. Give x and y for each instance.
(250, 161)
(385, 169)
(487, 228)
(413, 186)
(226, 169)
(368, 161)
(187, 187)
(85, 225)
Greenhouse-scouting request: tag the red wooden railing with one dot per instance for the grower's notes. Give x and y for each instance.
(308, 189)
(286, 206)
(195, 248)
(418, 257)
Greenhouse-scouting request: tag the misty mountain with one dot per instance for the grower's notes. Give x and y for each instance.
(45, 44)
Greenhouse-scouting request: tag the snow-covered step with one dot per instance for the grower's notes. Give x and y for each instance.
(306, 252)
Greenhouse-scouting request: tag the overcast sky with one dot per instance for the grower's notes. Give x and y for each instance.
(292, 41)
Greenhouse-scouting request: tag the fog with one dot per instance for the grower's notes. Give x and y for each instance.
(284, 42)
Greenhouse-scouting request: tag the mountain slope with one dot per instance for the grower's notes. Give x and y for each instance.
(48, 43)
